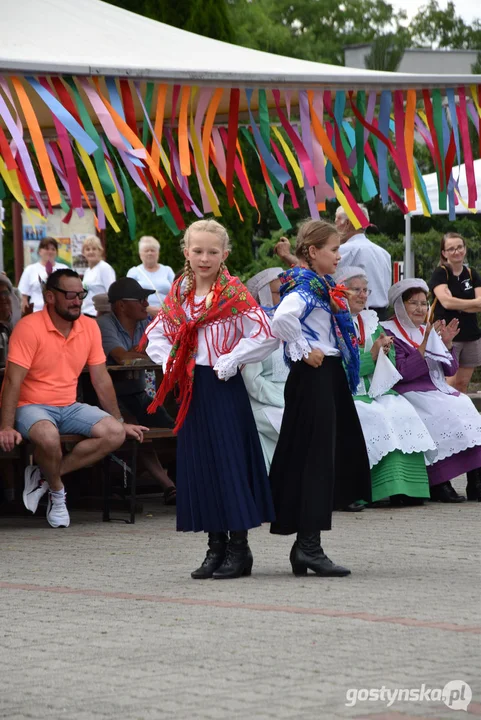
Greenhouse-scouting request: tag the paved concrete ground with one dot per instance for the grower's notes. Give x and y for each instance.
(103, 620)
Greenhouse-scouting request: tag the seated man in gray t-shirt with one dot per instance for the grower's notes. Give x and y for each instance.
(122, 330)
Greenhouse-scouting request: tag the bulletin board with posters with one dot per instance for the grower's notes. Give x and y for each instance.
(69, 236)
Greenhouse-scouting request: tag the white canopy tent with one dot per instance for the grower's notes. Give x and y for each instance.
(90, 40)
(431, 183)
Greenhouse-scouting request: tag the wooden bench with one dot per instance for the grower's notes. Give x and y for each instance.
(25, 449)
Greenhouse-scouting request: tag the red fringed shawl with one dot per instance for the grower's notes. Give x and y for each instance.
(230, 303)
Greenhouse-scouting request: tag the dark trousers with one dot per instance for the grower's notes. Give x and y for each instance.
(137, 404)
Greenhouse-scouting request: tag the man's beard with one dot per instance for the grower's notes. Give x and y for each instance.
(70, 315)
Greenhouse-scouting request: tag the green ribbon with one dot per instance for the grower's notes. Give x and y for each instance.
(438, 124)
(282, 218)
(359, 134)
(149, 94)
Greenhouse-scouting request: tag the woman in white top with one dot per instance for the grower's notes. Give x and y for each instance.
(265, 380)
(30, 284)
(209, 326)
(151, 274)
(320, 460)
(99, 275)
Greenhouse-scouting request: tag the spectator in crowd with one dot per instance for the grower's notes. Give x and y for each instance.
(7, 299)
(457, 290)
(9, 316)
(151, 274)
(99, 275)
(396, 439)
(284, 252)
(101, 304)
(424, 356)
(357, 250)
(34, 275)
(265, 380)
(122, 330)
(15, 300)
(48, 350)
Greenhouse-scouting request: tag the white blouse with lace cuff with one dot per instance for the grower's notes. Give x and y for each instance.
(286, 325)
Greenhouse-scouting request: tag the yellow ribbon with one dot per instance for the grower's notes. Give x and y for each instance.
(290, 156)
(342, 200)
(96, 186)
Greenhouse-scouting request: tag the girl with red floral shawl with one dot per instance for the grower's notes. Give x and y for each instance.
(208, 327)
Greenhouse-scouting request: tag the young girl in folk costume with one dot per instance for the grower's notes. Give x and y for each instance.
(321, 459)
(208, 326)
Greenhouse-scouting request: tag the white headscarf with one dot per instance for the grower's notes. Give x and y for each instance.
(385, 375)
(436, 351)
(259, 288)
(259, 285)
(348, 272)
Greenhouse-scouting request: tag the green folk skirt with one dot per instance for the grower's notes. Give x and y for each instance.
(400, 474)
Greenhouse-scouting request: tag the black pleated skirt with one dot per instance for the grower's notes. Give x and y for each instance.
(222, 482)
(320, 462)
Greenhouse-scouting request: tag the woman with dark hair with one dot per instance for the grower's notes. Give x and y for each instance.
(424, 357)
(30, 284)
(457, 289)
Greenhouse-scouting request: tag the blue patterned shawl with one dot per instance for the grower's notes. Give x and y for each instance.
(317, 291)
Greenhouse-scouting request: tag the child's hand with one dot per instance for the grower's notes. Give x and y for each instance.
(315, 358)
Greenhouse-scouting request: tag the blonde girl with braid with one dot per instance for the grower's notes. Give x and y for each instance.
(209, 326)
(320, 460)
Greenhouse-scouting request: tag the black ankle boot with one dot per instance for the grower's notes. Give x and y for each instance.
(238, 558)
(214, 557)
(444, 492)
(473, 488)
(307, 553)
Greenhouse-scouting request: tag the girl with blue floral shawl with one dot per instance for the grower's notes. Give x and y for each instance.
(320, 460)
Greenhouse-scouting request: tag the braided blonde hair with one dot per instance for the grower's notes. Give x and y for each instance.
(210, 226)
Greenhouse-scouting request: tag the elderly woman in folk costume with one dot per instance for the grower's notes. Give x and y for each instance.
(320, 460)
(265, 380)
(424, 356)
(397, 441)
(208, 326)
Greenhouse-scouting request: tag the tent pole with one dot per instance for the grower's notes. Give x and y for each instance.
(407, 247)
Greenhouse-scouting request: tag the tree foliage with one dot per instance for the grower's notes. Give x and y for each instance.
(435, 27)
(386, 53)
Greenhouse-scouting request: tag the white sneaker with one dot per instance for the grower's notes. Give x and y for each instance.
(57, 513)
(35, 487)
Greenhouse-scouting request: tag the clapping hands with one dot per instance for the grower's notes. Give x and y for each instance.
(448, 332)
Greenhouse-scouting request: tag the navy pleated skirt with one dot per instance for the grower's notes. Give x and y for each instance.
(222, 481)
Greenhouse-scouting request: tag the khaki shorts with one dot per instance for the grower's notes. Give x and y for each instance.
(468, 353)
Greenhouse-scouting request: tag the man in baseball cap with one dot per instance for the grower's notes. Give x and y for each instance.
(122, 330)
(127, 289)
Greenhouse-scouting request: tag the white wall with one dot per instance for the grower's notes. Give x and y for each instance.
(444, 62)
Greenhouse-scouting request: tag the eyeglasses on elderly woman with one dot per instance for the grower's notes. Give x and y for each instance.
(360, 290)
(417, 303)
